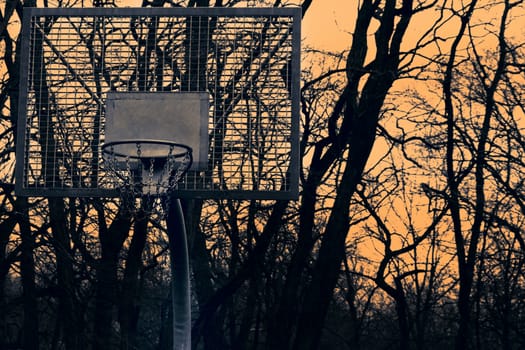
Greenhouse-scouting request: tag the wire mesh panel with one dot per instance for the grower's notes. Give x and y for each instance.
(247, 60)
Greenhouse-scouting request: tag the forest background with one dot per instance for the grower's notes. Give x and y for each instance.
(409, 229)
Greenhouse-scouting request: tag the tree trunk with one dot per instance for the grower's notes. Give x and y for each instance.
(30, 338)
(200, 264)
(6, 228)
(111, 241)
(68, 312)
(327, 267)
(280, 333)
(129, 306)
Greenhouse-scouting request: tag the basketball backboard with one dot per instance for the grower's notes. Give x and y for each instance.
(225, 80)
(180, 117)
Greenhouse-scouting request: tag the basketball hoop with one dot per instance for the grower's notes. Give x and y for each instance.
(146, 168)
(154, 134)
(150, 170)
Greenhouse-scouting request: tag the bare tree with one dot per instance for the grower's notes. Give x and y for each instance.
(446, 186)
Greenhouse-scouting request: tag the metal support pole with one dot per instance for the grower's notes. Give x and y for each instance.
(180, 276)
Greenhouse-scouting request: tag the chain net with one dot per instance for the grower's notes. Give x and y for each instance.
(148, 171)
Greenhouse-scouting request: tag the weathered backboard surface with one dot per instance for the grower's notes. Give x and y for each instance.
(180, 117)
(78, 65)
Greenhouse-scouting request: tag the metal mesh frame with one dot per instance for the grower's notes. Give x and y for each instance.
(246, 59)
